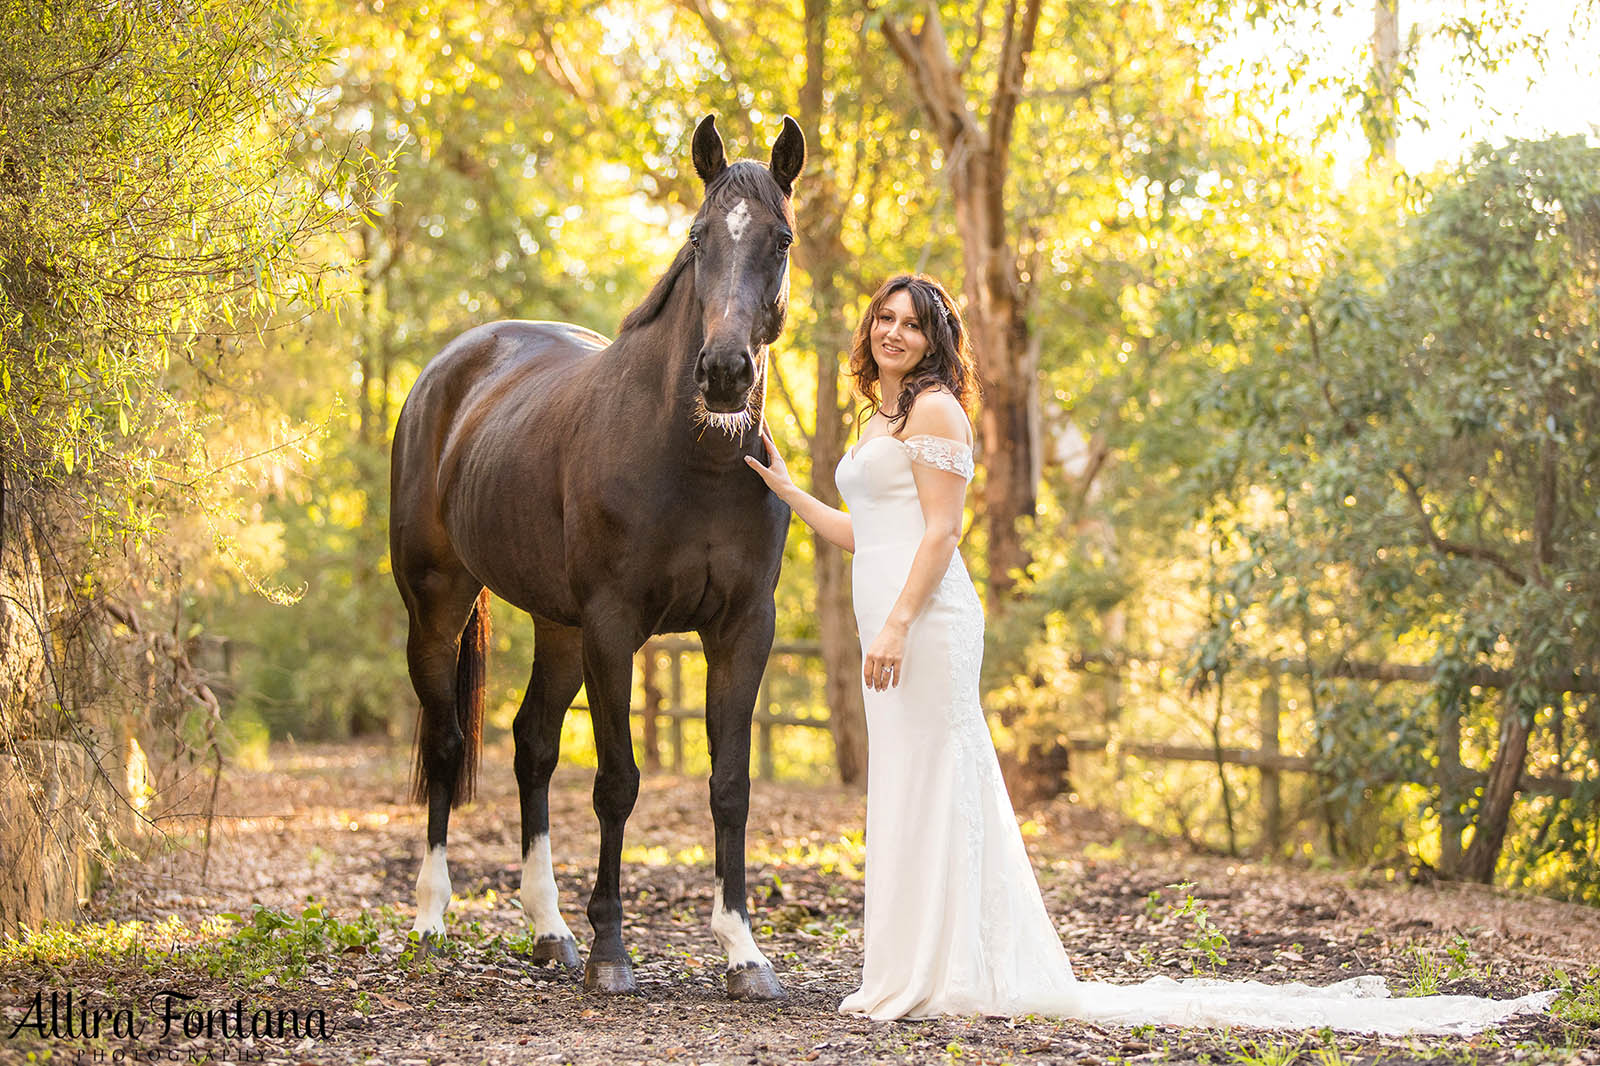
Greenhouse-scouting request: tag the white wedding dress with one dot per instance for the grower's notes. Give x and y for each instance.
(954, 920)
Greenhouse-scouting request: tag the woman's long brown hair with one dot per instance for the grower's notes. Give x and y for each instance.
(948, 361)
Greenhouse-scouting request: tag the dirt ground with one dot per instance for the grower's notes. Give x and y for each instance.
(329, 825)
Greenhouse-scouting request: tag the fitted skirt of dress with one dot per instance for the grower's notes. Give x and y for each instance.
(954, 920)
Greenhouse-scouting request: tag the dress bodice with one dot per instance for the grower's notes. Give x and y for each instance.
(875, 480)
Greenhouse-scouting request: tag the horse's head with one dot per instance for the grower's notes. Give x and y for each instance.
(741, 239)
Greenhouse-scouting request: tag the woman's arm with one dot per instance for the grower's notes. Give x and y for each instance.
(831, 524)
(942, 495)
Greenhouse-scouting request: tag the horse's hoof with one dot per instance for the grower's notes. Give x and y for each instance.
(429, 944)
(562, 950)
(754, 981)
(612, 978)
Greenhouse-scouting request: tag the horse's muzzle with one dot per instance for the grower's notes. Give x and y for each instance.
(724, 379)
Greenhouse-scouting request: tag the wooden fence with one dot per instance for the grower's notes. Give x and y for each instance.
(666, 700)
(1454, 781)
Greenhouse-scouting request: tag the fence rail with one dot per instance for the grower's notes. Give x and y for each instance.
(667, 701)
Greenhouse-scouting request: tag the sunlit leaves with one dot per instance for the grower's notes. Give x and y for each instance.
(145, 202)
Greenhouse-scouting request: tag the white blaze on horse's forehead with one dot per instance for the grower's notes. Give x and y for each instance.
(541, 903)
(738, 220)
(433, 892)
(732, 931)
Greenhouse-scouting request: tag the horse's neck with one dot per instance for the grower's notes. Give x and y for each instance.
(662, 353)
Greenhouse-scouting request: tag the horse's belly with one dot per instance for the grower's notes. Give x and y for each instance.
(516, 548)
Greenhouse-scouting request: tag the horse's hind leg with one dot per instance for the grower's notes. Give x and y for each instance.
(557, 673)
(445, 654)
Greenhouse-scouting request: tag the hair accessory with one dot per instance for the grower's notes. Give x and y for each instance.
(949, 308)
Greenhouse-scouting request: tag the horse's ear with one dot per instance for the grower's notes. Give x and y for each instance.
(788, 155)
(709, 159)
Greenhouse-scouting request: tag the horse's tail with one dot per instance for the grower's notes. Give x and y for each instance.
(472, 663)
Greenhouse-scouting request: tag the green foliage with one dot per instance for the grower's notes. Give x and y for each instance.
(149, 208)
(1579, 1001)
(241, 948)
(271, 941)
(159, 188)
(1426, 441)
(1356, 428)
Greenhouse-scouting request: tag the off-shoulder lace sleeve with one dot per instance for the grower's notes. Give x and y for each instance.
(941, 453)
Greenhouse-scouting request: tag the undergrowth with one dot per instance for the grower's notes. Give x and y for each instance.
(267, 942)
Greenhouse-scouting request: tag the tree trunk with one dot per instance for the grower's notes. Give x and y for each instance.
(1385, 85)
(841, 649)
(977, 162)
(1494, 813)
(825, 258)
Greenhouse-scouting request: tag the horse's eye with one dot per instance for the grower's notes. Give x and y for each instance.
(694, 238)
(784, 243)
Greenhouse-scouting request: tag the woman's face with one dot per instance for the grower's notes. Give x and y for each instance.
(898, 343)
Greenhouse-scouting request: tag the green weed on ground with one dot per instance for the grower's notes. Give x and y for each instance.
(1207, 945)
(1429, 973)
(1268, 1053)
(266, 942)
(1579, 1002)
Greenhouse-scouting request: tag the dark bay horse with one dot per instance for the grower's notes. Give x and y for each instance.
(602, 488)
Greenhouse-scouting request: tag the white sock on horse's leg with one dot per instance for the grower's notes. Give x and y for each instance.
(541, 902)
(732, 931)
(433, 893)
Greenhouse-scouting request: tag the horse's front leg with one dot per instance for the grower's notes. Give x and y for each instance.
(557, 673)
(608, 649)
(736, 656)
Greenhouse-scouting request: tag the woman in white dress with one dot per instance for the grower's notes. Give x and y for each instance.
(954, 920)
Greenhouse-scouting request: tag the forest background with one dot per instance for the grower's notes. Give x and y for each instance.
(1280, 422)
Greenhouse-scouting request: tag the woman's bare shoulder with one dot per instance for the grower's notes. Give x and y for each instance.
(937, 413)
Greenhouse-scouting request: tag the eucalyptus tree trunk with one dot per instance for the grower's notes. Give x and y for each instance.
(1385, 78)
(822, 252)
(977, 159)
(1494, 812)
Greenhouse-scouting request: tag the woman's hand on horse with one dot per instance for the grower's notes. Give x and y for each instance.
(776, 473)
(880, 667)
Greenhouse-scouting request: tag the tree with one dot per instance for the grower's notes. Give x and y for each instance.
(825, 258)
(1385, 78)
(146, 198)
(1428, 440)
(977, 165)
(155, 200)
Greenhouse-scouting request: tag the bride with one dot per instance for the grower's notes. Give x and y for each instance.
(954, 921)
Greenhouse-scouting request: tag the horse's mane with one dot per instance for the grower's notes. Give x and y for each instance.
(744, 180)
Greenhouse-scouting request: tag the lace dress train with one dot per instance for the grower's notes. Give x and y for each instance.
(954, 920)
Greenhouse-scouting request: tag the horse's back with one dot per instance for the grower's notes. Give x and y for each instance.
(484, 380)
(488, 359)
(497, 348)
